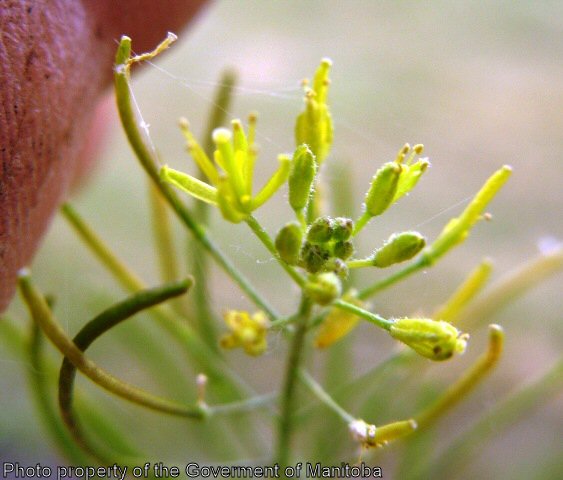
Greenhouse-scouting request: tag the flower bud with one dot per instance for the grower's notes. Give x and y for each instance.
(383, 188)
(371, 436)
(324, 289)
(314, 124)
(301, 177)
(337, 266)
(433, 339)
(288, 243)
(343, 250)
(320, 230)
(398, 248)
(313, 257)
(343, 228)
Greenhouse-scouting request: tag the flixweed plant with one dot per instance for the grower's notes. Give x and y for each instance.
(267, 435)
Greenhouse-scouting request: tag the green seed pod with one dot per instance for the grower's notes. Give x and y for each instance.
(320, 230)
(343, 228)
(436, 340)
(382, 189)
(343, 250)
(324, 289)
(398, 248)
(301, 177)
(288, 242)
(313, 257)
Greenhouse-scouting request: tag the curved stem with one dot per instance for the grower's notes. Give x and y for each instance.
(37, 379)
(45, 319)
(285, 426)
(46, 368)
(222, 376)
(149, 161)
(97, 327)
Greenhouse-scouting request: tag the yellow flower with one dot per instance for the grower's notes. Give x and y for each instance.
(231, 173)
(314, 124)
(248, 332)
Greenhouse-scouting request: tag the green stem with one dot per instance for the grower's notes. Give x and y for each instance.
(510, 287)
(46, 369)
(224, 378)
(94, 329)
(149, 161)
(199, 260)
(164, 244)
(42, 396)
(419, 264)
(360, 263)
(127, 278)
(370, 317)
(323, 396)
(300, 215)
(287, 403)
(43, 316)
(163, 237)
(244, 406)
(269, 244)
(361, 223)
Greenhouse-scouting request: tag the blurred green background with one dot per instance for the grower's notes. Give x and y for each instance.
(477, 82)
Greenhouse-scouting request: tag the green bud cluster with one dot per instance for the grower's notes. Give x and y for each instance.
(324, 247)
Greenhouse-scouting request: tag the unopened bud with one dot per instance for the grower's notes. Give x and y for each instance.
(301, 177)
(398, 248)
(343, 228)
(433, 339)
(313, 257)
(343, 250)
(382, 190)
(371, 436)
(221, 135)
(324, 289)
(337, 266)
(320, 230)
(288, 243)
